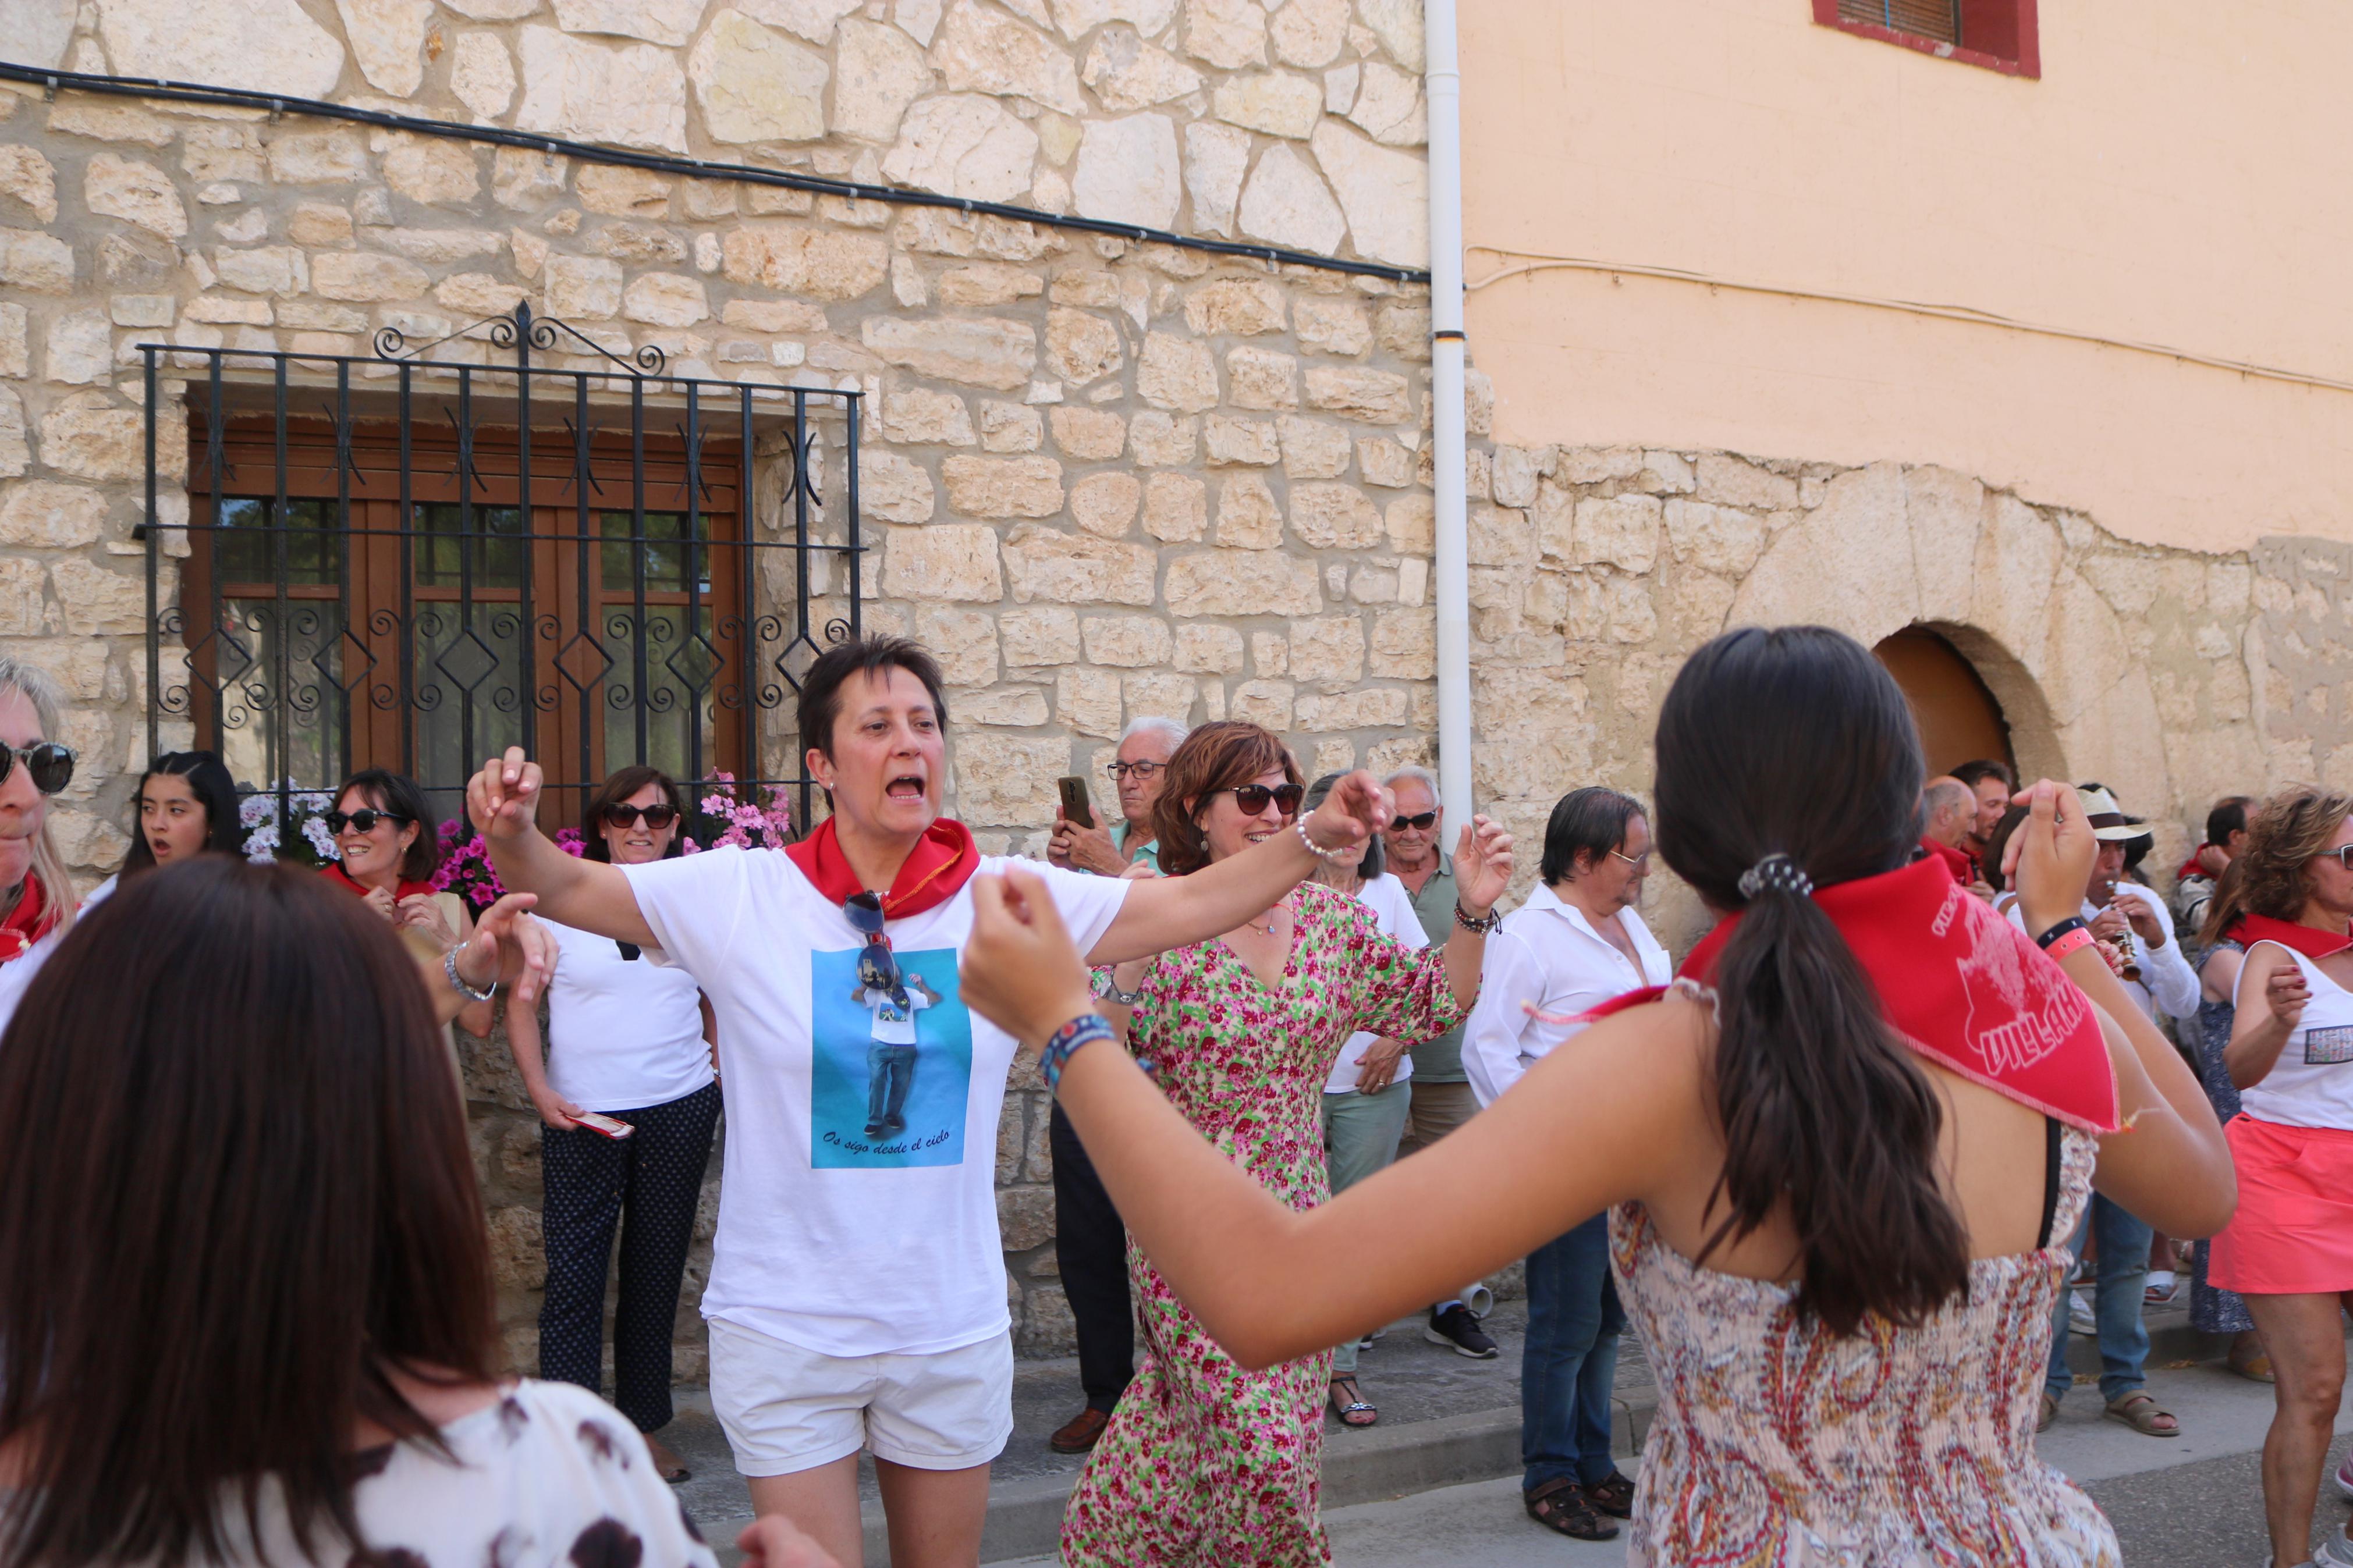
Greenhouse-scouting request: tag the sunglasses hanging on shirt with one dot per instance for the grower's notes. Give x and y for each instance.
(878, 968)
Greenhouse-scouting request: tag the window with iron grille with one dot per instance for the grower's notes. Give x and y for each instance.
(413, 564)
(2000, 35)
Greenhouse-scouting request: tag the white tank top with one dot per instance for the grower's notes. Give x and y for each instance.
(2311, 1085)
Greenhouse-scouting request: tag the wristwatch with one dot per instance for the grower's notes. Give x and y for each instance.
(1105, 983)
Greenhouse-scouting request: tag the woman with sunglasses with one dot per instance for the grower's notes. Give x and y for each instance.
(631, 1040)
(36, 897)
(1205, 1462)
(2288, 1252)
(390, 847)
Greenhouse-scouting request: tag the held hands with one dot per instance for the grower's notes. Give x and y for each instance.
(1482, 865)
(502, 799)
(1020, 970)
(2049, 859)
(1357, 808)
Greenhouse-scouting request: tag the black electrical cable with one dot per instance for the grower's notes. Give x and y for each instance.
(691, 168)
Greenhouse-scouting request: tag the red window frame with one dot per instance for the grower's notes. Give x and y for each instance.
(2001, 35)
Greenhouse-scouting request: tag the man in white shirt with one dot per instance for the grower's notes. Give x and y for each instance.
(857, 1294)
(1574, 946)
(2123, 912)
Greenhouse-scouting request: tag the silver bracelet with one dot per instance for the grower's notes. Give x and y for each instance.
(1330, 856)
(450, 968)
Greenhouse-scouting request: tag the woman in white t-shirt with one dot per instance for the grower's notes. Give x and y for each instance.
(1369, 1091)
(629, 1040)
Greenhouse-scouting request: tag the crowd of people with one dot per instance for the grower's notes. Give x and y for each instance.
(1917, 1081)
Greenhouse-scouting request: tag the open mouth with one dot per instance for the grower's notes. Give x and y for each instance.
(907, 788)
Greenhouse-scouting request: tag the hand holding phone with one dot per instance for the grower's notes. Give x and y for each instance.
(1076, 808)
(611, 1127)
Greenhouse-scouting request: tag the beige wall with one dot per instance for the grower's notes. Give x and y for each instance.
(2175, 178)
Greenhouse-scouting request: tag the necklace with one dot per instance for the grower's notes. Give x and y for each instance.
(1278, 913)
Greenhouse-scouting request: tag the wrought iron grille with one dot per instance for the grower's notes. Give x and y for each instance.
(412, 562)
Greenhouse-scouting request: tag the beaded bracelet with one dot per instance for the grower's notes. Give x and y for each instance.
(1331, 856)
(1064, 1043)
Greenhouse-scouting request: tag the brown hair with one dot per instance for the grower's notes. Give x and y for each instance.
(2282, 836)
(234, 1193)
(624, 784)
(1214, 757)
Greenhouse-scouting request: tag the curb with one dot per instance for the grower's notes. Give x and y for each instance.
(1025, 1518)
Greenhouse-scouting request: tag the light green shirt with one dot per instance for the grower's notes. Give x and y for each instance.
(1439, 1060)
(1147, 855)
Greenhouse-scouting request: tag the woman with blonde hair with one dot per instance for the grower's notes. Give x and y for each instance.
(36, 897)
(2288, 1252)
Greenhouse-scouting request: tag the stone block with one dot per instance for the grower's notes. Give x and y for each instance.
(1088, 701)
(1076, 569)
(1333, 326)
(1126, 74)
(665, 300)
(1620, 530)
(46, 515)
(1228, 34)
(1177, 374)
(16, 344)
(1328, 516)
(366, 278)
(1275, 102)
(1018, 708)
(1131, 642)
(97, 601)
(1236, 307)
(964, 641)
(335, 157)
(1270, 653)
(945, 561)
(1243, 582)
(1207, 649)
(1080, 347)
(1716, 538)
(916, 416)
(1088, 434)
(88, 437)
(28, 178)
(1045, 636)
(1158, 441)
(1128, 170)
(1327, 648)
(964, 144)
(1309, 33)
(1105, 504)
(581, 288)
(1370, 708)
(1266, 703)
(21, 601)
(982, 50)
(1239, 443)
(755, 86)
(1249, 517)
(482, 74)
(1662, 473)
(1411, 524)
(1375, 396)
(1154, 694)
(1501, 536)
(1262, 378)
(1009, 780)
(635, 96)
(1729, 480)
(1003, 487)
(1176, 507)
(989, 283)
(980, 353)
(1287, 203)
(892, 489)
(880, 72)
(135, 191)
(36, 262)
(1312, 449)
(1216, 157)
(263, 46)
(1405, 644)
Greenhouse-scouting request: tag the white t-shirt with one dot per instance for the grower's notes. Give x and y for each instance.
(829, 1238)
(1392, 908)
(622, 1034)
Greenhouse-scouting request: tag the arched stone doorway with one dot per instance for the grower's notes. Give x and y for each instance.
(1959, 719)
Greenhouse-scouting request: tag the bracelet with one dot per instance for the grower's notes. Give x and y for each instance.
(2081, 936)
(1479, 927)
(1328, 855)
(2073, 922)
(1064, 1043)
(450, 968)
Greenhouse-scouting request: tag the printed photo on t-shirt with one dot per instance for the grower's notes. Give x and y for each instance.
(891, 1065)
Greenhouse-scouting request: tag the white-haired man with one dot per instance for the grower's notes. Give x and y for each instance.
(1145, 748)
(36, 898)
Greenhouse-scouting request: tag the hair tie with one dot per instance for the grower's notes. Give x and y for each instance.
(1775, 873)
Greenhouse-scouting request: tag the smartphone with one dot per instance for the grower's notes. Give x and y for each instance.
(1075, 804)
(612, 1127)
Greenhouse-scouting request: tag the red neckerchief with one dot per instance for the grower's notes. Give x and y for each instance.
(333, 872)
(1964, 870)
(2310, 941)
(1964, 988)
(28, 923)
(2189, 867)
(942, 862)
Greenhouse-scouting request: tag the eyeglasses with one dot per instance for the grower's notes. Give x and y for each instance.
(363, 820)
(1253, 797)
(620, 814)
(1419, 819)
(1640, 862)
(2342, 855)
(877, 970)
(1143, 770)
(49, 765)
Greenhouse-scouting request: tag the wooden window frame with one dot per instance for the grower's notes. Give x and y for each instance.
(1996, 35)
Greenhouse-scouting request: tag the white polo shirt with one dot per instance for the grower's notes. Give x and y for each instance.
(1549, 953)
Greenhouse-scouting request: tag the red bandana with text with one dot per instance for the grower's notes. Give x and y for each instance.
(28, 923)
(1965, 988)
(942, 862)
(2310, 941)
(334, 872)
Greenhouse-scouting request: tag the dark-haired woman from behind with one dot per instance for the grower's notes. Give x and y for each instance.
(629, 1040)
(1835, 1162)
(247, 1312)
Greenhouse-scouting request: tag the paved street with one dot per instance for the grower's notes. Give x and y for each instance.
(2191, 1501)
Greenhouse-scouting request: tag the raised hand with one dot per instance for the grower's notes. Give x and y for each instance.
(502, 799)
(1482, 865)
(2049, 859)
(511, 947)
(1357, 808)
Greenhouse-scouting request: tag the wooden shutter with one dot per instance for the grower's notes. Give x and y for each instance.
(1937, 19)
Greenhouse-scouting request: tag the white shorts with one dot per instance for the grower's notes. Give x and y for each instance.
(786, 1409)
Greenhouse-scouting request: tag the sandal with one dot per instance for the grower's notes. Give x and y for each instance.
(1559, 1505)
(1353, 1411)
(2142, 1414)
(2050, 1411)
(1613, 1495)
(2256, 1368)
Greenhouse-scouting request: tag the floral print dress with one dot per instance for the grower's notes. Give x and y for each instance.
(1204, 1463)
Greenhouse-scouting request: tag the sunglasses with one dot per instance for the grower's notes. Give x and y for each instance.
(1420, 819)
(876, 966)
(2342, 855)
(1143, 770)
(49, 765)
(1253, 797)
(620, 814)
(363, 820)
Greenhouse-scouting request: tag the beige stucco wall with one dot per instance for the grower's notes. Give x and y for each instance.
(2174, 178)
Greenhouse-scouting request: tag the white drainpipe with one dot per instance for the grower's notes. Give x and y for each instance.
(1448, 476)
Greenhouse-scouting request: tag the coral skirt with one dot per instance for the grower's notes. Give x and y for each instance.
(2293, 1234)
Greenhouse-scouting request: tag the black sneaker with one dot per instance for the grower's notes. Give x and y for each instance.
(1459, 1331)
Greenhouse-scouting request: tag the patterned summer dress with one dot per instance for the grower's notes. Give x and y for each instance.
(2213, 1311)
(1204, 1463)
(1780, 1446)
